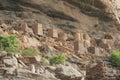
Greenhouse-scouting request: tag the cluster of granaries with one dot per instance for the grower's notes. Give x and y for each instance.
(83, 43)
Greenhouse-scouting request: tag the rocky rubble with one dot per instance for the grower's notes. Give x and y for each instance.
(12, 68)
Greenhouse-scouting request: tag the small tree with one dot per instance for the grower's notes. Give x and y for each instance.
(58, 59)
(9, 43)
(115, 58)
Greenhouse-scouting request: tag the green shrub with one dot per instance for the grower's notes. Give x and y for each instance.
(44, 61)
(9, 43)
(29, 52)
(58, 59)
(115, 58)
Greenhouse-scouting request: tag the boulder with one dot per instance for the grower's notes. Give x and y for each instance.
(32, 68)
(23, 73)
(10, 62)
(3, 53)
(68, 72)
(51, 68)
(48, 75)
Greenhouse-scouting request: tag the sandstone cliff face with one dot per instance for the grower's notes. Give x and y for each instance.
(68, 15)
(86, 33)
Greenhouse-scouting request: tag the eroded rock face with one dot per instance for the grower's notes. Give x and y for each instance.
(64, 14)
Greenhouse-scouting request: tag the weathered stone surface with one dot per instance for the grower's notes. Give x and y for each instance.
(3, 78)
(38, 29)
(32, 68)
(41, 69)
(12, 62)
(51, 68)
(23, 73)
(53, 33)
(83, 75)
(68, 72)
(10, 71)
(49, 75)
